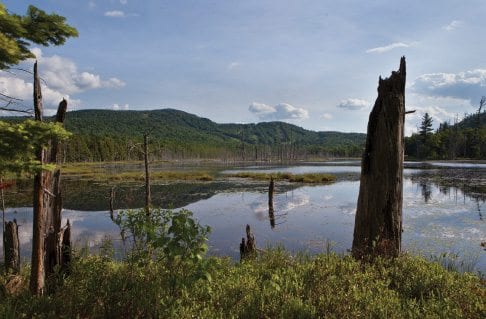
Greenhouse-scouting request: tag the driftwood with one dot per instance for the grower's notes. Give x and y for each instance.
(11, 248)
(378, 223)
(47, 204)
(248, 248)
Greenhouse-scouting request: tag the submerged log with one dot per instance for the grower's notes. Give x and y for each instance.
(11, 249)
(378, 222)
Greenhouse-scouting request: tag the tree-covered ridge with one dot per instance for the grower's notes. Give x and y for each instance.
(464, 139)
(106, 135)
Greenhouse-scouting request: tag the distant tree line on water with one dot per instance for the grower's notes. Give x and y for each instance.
(92, 148)
(464, 139)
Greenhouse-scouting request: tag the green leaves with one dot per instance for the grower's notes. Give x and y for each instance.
(36, 26)
(165, 235)
(20, 141)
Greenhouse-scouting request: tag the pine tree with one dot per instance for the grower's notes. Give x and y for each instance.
(425, 127)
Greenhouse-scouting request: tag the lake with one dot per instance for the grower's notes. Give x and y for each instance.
(443, 209)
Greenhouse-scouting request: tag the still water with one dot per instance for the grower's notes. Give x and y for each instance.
(443, 210)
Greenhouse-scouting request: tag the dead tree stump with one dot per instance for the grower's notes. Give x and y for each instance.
(248, 247)
(47, 202)
(271, 212)
(11, 249)
(378, 222)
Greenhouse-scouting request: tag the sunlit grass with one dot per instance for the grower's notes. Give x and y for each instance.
(310, 178)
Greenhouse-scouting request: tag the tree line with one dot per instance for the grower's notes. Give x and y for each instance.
(462, 139)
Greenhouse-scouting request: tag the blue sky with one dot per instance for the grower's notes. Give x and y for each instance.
(308, 62)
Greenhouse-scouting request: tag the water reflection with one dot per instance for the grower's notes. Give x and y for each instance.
(442, 211)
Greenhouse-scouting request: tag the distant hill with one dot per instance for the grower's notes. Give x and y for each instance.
(109, 135)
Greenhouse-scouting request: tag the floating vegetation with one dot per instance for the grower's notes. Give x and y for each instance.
(100, 172)
(310, 178)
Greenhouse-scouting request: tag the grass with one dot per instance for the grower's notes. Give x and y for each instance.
(276, 285)
(99, 172)
(310, 178)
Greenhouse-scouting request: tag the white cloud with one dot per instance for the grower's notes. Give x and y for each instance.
(233, 65)
(326, 116)
(115, 14)
(282, 111)
(387, 48)
(91, 4)
(453, 25)
(61, 78)
(21, 89)
(123, 2)
(465, 85)
(117, 107)
(261, 108)
(62, 74)
(353, 104)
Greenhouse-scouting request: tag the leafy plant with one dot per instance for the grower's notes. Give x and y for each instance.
(162, 235)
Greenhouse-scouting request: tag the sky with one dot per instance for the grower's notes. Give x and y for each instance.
(313, 63)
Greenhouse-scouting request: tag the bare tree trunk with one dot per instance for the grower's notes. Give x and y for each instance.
(38, 231)
(147, 173)
(11, 248)
(378, 223)
(271, 212)
(46, 241)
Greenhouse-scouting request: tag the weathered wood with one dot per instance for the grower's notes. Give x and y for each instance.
(271, 189)
(112, 200)
(39, 219)
(378, 222)
(47, 203)
(147, 173)
(11, 248)
(53, 202)
(65, 243)
(271, 212)
(248, 248)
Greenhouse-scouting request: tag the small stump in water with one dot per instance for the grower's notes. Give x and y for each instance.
(248, 247)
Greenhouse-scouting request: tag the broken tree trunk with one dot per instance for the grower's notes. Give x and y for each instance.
(53, 202)
(11, 248)
(147, 173)
(271, 212)
(38, 231)
(47, 233)
(248, 247)
(378, 222)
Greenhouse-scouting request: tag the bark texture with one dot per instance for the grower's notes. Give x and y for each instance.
(147, 174)
(378, 223)
(47, 241)
(12, 252)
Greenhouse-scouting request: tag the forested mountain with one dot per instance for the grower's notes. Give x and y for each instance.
(105, 135)
(174, 134)
(464, 139)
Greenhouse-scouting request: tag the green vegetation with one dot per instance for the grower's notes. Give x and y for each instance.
(17, 32)
(310, 178)
(465, 139)
(104, 135)
(98, 172)
(276, 285)
(19, 142)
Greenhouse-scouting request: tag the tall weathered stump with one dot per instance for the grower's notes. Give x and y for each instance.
(11, 248)
(378, 222)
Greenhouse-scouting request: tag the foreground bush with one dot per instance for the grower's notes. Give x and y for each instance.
(276, 285)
